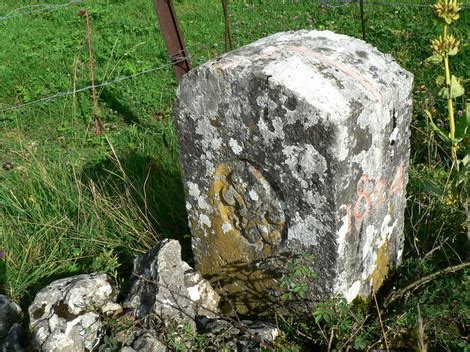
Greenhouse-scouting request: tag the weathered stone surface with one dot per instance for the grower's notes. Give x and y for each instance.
(243, 336)
(204, 298)
(65, 315)
(15, 341)
(160, 285)
(143, 341)
(297, 142)
(10, 313)
(12, 335)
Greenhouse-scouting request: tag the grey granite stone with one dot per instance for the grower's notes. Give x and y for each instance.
(296, 143)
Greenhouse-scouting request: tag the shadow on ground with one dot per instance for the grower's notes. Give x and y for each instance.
(157, 191)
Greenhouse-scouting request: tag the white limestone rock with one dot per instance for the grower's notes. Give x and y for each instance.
(159, 287)
(66, 315)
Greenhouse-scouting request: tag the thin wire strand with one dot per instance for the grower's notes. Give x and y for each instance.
(104, 84)
(344, 3)
(45, 7)
(404, 4)
(20, 9)
(120, 79)
(378, 3)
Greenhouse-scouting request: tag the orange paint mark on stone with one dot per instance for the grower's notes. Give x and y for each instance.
(398, 181)
(373, 193)
(379, 191)
(346, 69)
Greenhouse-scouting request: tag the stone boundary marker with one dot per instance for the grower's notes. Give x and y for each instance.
(296, 143)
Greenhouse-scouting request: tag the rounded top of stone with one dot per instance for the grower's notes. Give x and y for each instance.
(319, 66)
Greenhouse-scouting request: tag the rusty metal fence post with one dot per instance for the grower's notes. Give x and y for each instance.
(363, 20)
(173, 37)
(228, 35)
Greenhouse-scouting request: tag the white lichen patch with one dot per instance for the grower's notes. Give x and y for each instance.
(353, 291)
(204, 220)
(399, 254)
(193, 292)
(392, 140)
(302, 77)
(306, 230)
(270, 125)
(167, 303)
(210, 139)
(226, 228)
(367, 246)
(193, 189)
(375, 239)
(253, 195)
(386, 229)
(236, 148)
(370, 161)
(268, 135)
(210, 168)
(343, 230)
(304, 162)
(201, 203)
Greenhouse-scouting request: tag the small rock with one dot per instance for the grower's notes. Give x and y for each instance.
(7, 165)
(215, 326)
(246, 336)
(65, 315)
(10, 314)
(160, 286)
(15, 341)
(265, 331)
(143, 341)
(111, 308)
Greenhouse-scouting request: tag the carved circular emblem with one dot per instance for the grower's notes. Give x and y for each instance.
(247, 204)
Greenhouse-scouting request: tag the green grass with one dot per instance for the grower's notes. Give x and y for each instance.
(77, 202)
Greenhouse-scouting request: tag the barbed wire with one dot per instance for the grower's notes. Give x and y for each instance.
(43, 7)
(378, 3)
(431, 97)
(174, 59)
(104, 84)
(150, 70)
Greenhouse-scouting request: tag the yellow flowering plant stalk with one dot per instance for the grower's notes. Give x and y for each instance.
(445, 46)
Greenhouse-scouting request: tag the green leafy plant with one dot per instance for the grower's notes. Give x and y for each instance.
(334, 323)
(183, 338)
(340, 324)
(298, 277)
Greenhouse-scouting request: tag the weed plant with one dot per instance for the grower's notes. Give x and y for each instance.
(73, 202)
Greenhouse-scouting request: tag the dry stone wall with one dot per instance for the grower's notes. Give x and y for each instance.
(296, 143)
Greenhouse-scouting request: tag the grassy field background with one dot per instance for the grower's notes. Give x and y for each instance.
(77, 202)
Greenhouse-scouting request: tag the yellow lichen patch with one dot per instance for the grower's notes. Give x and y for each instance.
(382, 266)
(391, 208)
(229, 260)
